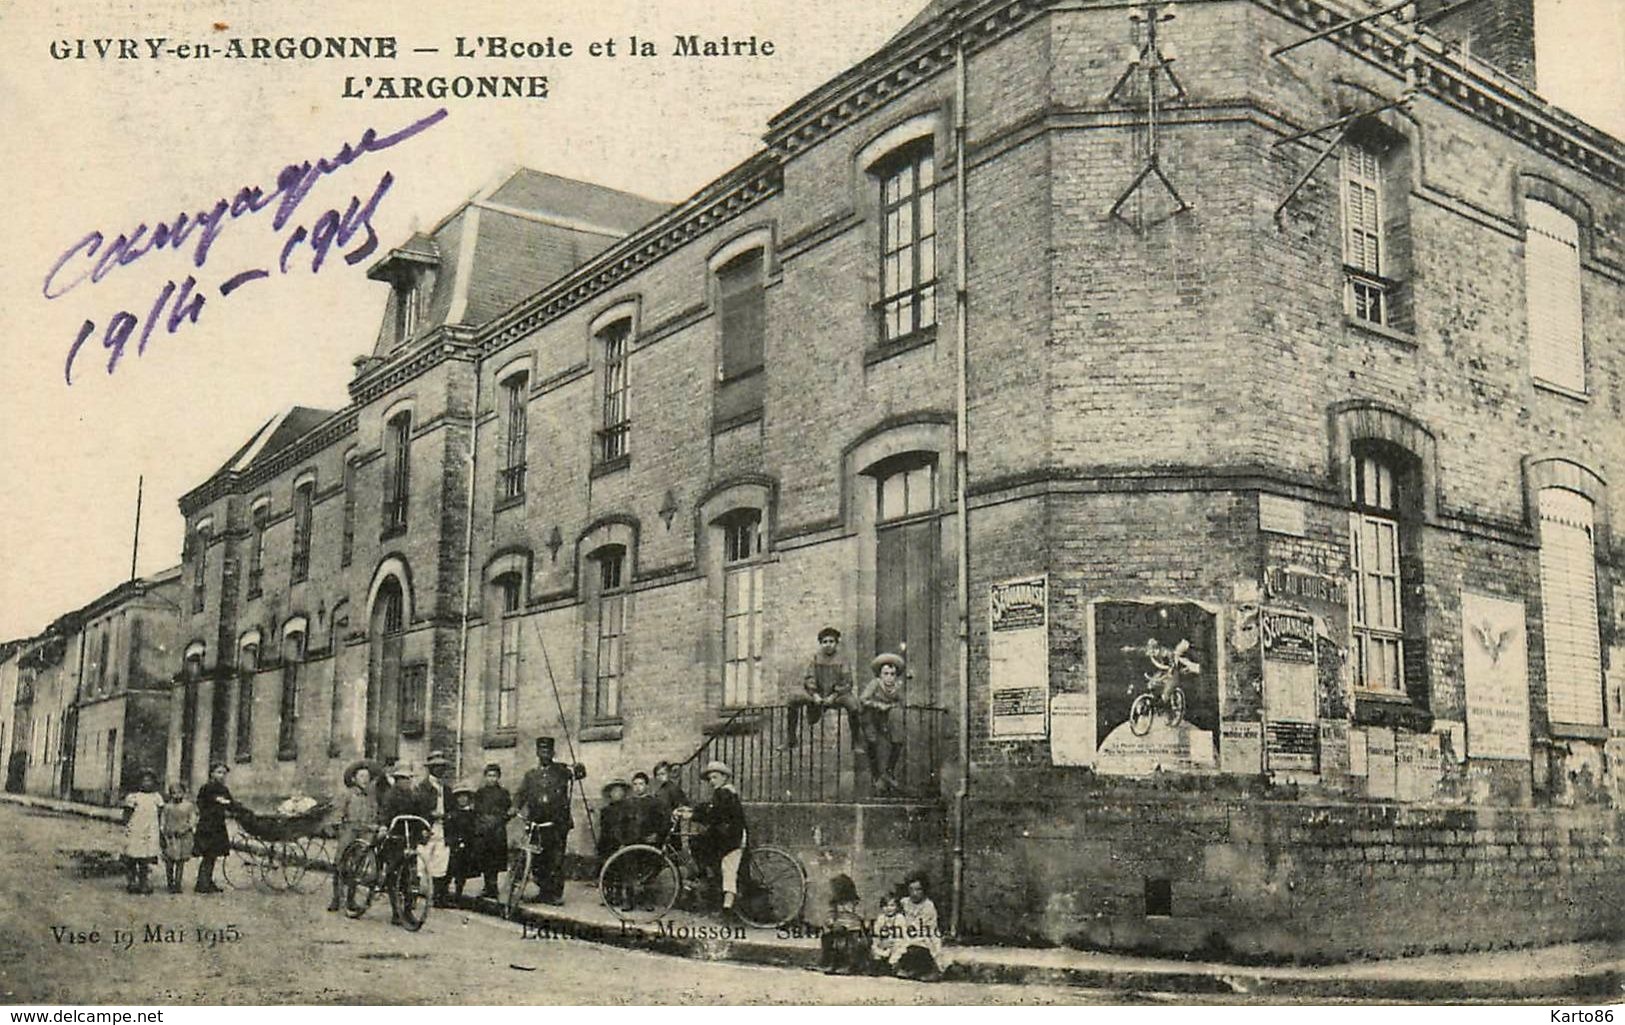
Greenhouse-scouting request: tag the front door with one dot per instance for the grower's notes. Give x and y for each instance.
(905, 589)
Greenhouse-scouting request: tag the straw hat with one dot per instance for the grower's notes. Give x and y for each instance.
(888, 659)
(356, 766)
(717, 766)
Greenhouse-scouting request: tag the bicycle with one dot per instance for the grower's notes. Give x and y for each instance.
(405, 876)
(1169, 663)
(520, 865)
(643, 882)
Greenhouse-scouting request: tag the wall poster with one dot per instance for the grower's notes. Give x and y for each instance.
(1156, 678)
(1495, 663)
(1018, 659)
(1290, 678)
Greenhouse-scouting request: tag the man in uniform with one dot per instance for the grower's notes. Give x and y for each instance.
(544, 796)
(827, 683)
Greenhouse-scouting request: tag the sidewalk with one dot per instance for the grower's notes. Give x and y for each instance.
(1574, 970)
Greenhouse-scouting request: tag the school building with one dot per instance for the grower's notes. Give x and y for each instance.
(1266, 352)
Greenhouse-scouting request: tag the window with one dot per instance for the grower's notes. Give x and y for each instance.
(511, 478)
(347, 538)
(200, 567)
(414, 698)
(101, 662)
(742, 680)
(397, 472)
(303, 496)
(293, 651)
(256, 549)
(247, 662)
(1551, 260)
(1363, 246)
(908, 254)
(615, 425)
(908, 491)
(1374, 529)
(610, 633)
(1568, 596)
(743, 311)
(408, 297)
(508, 596)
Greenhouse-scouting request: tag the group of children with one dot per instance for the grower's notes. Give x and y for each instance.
(638, 811)
(904, 939)
(154, 828)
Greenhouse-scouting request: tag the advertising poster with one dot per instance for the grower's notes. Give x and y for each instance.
(1288, 641)
(1018, 658)
(1156, 686)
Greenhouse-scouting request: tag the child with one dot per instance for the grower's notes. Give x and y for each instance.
(881, 697)
(493, 807)
(462, 822)
(845, 943)
(921, 955)
(668, 795)
(142, 841)
(890, 928)
(177, 823)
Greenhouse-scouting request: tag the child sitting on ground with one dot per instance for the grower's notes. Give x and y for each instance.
(844, 940)
(890, 928)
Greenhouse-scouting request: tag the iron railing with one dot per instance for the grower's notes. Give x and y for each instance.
(827, 763)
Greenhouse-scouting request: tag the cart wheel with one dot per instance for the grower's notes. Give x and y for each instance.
(241, 867)
(639, 883)
(295, 868)
(362, 883)
(518, 879)
(772, 887)
(312, 850)
(409, 894)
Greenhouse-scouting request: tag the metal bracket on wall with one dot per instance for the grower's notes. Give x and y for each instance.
(1342, 125)
(1150, 59)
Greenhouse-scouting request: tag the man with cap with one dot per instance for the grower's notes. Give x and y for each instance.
(544, 796)
(827, 683)
(721, 847)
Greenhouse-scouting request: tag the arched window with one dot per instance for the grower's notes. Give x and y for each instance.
(1551, 258)
(293, 654)
(256, 546)
(1568, 598)
(248, 656)
(515, 392)
(385, 646)
(906, 179)
(397, 472)
(1383, 529)
(743, 577)
(615, 421)
(607, 600)
(506, 604)
(347, 537)
(304, 496)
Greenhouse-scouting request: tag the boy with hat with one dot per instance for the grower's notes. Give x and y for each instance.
(882, 697)
(544, 796)
(460, 826)
(493, 807)
(722, 846)
(615, 827)
(404, 797)
(357, 815)
(845, 941)
(827, 683)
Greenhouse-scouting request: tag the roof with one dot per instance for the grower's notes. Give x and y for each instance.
(546, 193)
(277, 433)
(929, 13)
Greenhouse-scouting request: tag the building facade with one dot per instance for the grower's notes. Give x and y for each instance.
(1287, 376)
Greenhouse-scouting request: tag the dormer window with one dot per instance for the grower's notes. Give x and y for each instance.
(410, 272)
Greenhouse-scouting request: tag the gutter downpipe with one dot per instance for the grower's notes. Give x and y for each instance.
(468, 565)
(961, 472)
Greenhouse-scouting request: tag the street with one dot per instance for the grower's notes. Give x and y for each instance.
(253, 947)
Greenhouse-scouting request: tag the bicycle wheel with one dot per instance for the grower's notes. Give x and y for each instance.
(294, 857)
(1176, 707)
(279, 856)
(518, 878)
(409, 892)
(362, 884)
(639, 883)
(311, 851)
(1140, 715)
(772, 888)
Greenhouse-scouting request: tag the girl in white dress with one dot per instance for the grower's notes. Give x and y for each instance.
(142, 841)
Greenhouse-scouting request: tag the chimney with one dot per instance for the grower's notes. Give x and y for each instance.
(1498, 32)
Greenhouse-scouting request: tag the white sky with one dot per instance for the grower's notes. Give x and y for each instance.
(108, 144)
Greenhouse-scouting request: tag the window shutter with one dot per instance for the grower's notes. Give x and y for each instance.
(1552, 276)
(1568, 590)
(743, 314)
(1362, 212)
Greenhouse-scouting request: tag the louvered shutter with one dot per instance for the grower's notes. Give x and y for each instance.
(1362, 208)
(1552, 276)
(1568, 590)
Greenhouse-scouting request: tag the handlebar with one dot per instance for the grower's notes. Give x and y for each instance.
(397, 820)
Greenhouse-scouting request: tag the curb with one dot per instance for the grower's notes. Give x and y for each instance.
(1309, 985)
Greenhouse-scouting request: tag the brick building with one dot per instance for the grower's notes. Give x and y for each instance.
(1289, 379)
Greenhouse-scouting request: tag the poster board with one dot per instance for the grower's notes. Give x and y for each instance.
(1495, 664)
(1291, 741)
(1018, 659)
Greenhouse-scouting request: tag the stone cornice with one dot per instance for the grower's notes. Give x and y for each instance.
(1469, 85)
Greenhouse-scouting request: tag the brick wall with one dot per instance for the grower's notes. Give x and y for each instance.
(1256, 878)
